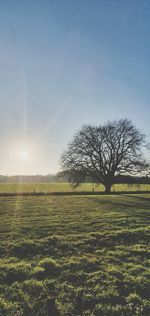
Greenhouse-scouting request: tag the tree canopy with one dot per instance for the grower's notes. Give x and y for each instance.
(105, 151)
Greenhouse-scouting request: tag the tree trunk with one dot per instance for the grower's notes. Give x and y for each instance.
(107, 188)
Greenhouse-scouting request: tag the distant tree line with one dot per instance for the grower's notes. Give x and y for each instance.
(29, 178)
(60, 178)
(124, 179)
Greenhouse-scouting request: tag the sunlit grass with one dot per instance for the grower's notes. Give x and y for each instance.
(66, 187)
(92, 252)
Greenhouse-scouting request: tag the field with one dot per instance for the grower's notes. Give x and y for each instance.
(66, 187)
(91, 253)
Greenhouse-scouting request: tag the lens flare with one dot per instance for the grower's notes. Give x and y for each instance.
(23, 154)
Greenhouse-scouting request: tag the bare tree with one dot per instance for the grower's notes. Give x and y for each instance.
(104, 152)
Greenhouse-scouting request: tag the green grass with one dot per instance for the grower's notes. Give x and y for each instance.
(91, 252)
(66, 187)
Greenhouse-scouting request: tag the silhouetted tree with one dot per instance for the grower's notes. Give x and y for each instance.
(105, 152)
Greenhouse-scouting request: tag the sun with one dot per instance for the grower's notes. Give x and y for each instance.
(23, 154)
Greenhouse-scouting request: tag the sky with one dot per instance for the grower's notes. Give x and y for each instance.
(66, 63)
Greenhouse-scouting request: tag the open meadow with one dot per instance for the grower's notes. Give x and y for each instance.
(91, 252)
(67, 187)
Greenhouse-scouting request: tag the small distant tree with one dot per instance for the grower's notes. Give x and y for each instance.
(104, 152)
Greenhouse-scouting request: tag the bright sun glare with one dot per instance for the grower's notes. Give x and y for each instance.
(23, 154)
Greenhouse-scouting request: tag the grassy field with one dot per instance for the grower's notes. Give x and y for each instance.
(91, 252)
(66, 187)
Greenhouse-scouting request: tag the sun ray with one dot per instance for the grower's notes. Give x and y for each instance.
(66, 104)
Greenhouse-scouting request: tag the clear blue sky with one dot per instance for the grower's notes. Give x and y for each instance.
(64, 63)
